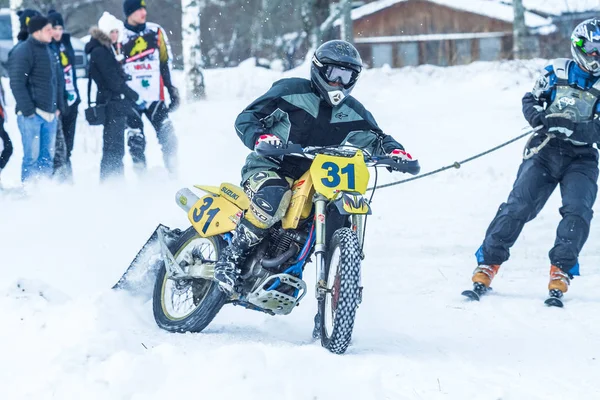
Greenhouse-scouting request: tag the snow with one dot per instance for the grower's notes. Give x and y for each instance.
(558, 7)
(66, 335)
(489, 8)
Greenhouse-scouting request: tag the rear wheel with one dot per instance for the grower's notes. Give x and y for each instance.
(338, 309)
(188, 305)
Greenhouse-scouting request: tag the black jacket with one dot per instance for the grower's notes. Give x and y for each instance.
(293, 111)
(106, 71)
(36, 78)
(70, 53)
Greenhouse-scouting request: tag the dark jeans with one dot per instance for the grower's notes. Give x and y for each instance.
(575, 169)
(113, 148)
(159, 118)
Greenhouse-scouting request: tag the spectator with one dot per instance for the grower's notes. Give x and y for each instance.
(110, 23)
(37, 85)
(117, 97)
(148, 61)
(24, 18)
(62, 47)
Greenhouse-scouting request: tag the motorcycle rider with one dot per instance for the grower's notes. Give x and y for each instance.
(564, 101)
(148, 61)
(315, 112)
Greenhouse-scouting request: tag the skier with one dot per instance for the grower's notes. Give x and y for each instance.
(564, 102)
(147, 60)
(315, 112)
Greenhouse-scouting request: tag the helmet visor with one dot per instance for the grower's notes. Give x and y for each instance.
(345, 76)
(588, 48)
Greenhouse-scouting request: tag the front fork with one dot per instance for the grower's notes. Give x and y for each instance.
(321, 285)
(358, 224)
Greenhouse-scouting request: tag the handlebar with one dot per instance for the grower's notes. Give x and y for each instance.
(267, 150)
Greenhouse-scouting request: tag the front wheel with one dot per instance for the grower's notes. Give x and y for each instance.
(188, 305)
(338, 309)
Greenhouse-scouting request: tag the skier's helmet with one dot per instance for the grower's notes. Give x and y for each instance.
(335, 68)
(585, 45)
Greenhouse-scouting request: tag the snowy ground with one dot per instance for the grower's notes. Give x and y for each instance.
(65, 335)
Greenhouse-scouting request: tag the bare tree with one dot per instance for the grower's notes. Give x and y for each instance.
(347, 31)
(16, 25)
(192, 53)
(314, 14)
(519, 29)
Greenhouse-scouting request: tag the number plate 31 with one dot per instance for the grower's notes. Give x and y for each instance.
(213, 215)
(332, 174)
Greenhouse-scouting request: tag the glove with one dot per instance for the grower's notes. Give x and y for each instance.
(175, 101)
(268, 138)
(539, 118)
(559, 125)
(141, 104)
(399, 155)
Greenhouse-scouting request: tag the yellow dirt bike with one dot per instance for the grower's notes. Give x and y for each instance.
(326, 218)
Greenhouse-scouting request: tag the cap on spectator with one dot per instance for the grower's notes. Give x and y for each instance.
(37, 23)
(55, 18)
(131, 6)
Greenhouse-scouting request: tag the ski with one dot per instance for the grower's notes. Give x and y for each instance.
(477, 291)
(554, 299)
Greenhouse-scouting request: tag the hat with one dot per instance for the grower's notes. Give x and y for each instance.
(37, 23)
(55, 18)
(24, 17)
(131, 6)
(108, 23)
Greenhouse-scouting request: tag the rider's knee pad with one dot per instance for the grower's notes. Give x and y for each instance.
(270, 196)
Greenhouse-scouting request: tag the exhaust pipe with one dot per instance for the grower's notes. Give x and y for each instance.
(186, 199)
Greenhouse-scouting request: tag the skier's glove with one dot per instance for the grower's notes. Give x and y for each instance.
(559, 125)
(268, 138)
(175, 100)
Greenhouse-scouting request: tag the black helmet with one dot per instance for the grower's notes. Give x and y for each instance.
(336, 66)
(585, 45)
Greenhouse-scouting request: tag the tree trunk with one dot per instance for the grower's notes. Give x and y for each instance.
(347, 31)
(519, 30)
(15, 5)
(192, 55)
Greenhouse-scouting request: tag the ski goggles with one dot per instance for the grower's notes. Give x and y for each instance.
(587, 47)
(335, 73)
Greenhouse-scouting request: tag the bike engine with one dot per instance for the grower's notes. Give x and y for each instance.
(279, 250)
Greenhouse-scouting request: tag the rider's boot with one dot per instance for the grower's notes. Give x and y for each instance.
(227, 269)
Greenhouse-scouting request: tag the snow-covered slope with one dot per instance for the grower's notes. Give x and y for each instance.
(65, 335)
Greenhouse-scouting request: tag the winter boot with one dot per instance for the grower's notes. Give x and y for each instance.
(559, 280)
(484, 274)
(227, 268)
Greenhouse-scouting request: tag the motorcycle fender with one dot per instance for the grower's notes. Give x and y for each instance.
(214, 215)
(352, 203)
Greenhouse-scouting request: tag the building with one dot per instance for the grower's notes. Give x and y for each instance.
(440, 32)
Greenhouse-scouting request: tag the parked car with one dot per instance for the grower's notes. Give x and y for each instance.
(6, 44)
